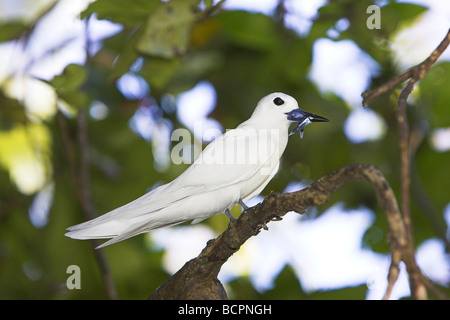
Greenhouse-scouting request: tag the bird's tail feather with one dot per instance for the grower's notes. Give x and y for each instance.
(116, 229)
(104, 230)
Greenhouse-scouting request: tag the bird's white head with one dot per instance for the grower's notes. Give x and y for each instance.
(282, 109)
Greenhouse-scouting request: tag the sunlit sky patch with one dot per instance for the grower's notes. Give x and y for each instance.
(431, 256)
(40, 207)
(414, 43)
(364, 124)
(98, 110)
(45, 55)
(440, 139)
(266, 7)
(12, 57)
(300, 14)
(144, 120)
(176, 249)
(38, 97)
(133, 86)
(194, 106)
(447, 219)
(346, 72)
(14, 10)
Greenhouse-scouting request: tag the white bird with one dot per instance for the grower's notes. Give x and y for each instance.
(233, 168)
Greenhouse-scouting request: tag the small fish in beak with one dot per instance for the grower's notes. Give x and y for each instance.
(303, 118)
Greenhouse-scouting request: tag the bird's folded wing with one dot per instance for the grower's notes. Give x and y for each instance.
(229, 160)
(235, 157)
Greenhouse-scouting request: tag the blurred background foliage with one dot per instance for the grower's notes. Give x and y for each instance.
(129, 82)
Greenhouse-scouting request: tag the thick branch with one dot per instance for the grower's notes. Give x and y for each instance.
(197, 279)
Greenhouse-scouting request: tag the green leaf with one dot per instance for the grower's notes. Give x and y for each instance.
(193, 68)
(12, 30)
(167, 32)
(395, 13)
(253, 31)
(75, 98)
(158, 71)
(181, 73)
(67, 85)
(129, 13)
(434, 95)
(11, 112)
(71, 79)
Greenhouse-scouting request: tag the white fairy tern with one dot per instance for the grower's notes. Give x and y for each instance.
(233, 168)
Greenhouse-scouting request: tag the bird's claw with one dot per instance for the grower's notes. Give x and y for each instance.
(243, 205)
(262, 226)
(232, 219)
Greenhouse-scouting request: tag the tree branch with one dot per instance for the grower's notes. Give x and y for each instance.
(414, 75)
(197, 279)
(80, 177)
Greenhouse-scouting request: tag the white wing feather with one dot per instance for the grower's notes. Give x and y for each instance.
(211, 175)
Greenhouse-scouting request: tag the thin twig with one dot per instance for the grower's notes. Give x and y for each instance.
(371, 96)
(415, 74)
(81, 183)
(405, 159)
(418, 73)
(89, 210)
(212, 10)
(87, 204)
(80, 177)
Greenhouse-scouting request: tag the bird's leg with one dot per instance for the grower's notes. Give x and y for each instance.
(232, 219)
(243, 205)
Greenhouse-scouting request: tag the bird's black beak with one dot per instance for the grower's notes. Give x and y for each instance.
(303, 118)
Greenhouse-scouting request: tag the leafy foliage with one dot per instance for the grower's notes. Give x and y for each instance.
(176, 44)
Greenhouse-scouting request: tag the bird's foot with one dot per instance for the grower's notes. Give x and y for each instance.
(243, 205)
(262, 226)
(232, 219)
(258, 228)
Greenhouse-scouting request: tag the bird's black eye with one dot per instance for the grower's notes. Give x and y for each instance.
(278, 101)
